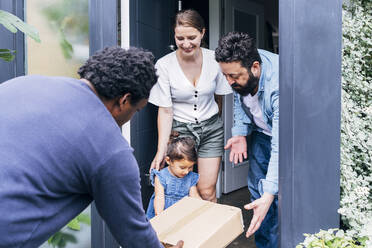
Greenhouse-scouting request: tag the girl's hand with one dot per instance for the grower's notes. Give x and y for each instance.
(193, 192)
(179, 244)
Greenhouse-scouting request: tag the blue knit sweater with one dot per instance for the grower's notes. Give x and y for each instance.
(60, 149)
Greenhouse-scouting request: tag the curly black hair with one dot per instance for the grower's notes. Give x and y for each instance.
(115, 71)
(237, 47)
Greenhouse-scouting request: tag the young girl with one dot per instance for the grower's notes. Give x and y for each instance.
(177, 180)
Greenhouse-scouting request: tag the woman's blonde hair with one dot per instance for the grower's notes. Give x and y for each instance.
(189, 18)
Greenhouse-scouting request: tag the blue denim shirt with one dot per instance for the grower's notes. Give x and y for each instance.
(268, 97)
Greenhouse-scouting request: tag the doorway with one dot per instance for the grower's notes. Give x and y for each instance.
(261, 20)
(154, 31)
(258, 18)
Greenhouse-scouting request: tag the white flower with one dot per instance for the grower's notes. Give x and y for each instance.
(340, 234)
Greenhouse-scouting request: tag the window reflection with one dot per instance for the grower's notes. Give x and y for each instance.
(64, 29)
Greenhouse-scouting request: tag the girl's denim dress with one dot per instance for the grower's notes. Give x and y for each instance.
(174, 188)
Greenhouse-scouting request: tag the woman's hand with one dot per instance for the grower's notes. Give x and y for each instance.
(158, 162)
(165, 118)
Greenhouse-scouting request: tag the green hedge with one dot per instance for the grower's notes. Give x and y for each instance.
(356, 123)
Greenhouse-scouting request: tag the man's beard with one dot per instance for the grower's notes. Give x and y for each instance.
(249, 87)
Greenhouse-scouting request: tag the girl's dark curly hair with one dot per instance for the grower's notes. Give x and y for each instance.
(237, 47)
(115, 71)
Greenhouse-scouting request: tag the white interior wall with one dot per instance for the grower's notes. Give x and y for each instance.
(125, 43)
(214, 35)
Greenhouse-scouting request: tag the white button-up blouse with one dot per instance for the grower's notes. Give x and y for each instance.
(190, 103)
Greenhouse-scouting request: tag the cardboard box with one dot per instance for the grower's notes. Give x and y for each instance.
(199, 223)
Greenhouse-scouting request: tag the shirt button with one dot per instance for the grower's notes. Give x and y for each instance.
(194, 108)
(196, 92)
(196, 95)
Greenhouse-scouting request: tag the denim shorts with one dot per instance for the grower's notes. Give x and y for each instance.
(208, 135)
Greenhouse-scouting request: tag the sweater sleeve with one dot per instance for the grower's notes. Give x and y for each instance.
(117, 194)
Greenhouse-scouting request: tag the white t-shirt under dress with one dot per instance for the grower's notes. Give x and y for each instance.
(191, 104)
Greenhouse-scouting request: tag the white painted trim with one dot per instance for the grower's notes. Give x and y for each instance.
(214, 23)
(125, 32)
(214, 35)
(125, 28)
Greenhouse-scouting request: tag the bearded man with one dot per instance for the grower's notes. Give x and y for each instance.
(254, 76)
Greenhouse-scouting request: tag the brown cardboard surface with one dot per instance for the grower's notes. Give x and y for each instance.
(199, 223)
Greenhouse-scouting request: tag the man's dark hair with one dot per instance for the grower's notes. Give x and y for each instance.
(115, 71)
(237, 47)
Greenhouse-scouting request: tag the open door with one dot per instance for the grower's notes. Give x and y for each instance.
(150, 28)
(244, 16)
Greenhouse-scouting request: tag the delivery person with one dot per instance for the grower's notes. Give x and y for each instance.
(61, 148)
(254, 76)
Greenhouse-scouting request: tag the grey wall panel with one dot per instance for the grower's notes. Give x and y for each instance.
(149, 13)
(145, 153)
(144, 140)
(146, 35)
(103, 24)
(12, 41)
(103, 31)
(150, 28)
(310, 100)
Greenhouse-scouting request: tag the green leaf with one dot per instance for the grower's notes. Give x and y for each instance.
(60, 239)
(84, 218)
(7, 55)
(74, 224)
(55, 239)
(12, 23)
(66, 46)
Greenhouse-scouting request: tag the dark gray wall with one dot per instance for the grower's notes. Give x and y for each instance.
(12, 41)
(150, 28)
(103, 31)
(150, 23)
(310, 89)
